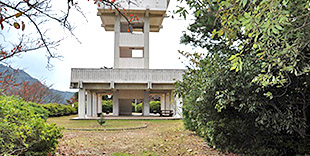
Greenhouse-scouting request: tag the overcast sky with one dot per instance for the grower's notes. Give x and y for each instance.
(96, 48)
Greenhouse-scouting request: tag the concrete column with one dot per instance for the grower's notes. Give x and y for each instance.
(146, 103)
(81, 103)
(162, 101)
(89, 109)
(168, 101)
(136, 101)
(117, 28)
(99, 103)
(146, 32)
(116, 103)
(94, 104)
(179, 107)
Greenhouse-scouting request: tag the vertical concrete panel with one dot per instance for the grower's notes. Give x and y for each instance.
(99, 103)
(94, 104)
(179, 107)
(162, 101)
(125, 106)
(146, 103)
(168, 102)
(115, 103)
(89, 108)
(81, 103)
(117, 28)
(146, 29)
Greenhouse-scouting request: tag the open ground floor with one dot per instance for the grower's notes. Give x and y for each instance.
(90, 103)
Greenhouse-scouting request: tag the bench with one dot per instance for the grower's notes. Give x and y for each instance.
(166, 113)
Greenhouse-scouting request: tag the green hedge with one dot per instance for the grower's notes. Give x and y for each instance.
(55, 109)
(154, 107)
(107, 106)
(23, 130)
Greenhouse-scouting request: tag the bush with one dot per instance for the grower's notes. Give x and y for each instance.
(55, 109)
(107, 106)
(139, 108)
(23, 131)
(235, 115)
(39, 110)
(154, 107)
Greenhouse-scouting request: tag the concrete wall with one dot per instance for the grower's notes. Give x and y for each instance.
(131, 40)
(131, 94)
(125, 106)
(134, 63)
(96, 75)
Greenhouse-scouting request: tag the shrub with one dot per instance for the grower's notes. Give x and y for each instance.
(107, 106)
(234, 115)
(55, 109)
(139, 108)
(154, 106)
(101, 121)
(23, 131)
(39, 110)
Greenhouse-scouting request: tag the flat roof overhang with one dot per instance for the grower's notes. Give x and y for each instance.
(125, 79)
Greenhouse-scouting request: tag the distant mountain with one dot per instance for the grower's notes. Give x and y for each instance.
(21, 76)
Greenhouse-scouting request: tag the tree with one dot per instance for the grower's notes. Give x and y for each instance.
(37, 92)
(25, 24)
(221, 101)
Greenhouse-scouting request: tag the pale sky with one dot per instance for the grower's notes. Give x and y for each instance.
(96, 49)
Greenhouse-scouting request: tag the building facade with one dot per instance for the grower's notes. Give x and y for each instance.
(130, 78)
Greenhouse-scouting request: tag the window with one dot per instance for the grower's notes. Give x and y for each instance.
(137, 53)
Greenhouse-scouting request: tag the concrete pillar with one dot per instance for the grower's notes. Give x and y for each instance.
(136, 101)
(89, 108)
(81, 103)
(179, 107)
(94, 104)
(99, 103)
(146, 104)
(117, 28)
(116, 103)
(168, 101)
(163, 102)
(146, 32)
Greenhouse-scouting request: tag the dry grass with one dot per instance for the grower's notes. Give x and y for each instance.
(161, 137)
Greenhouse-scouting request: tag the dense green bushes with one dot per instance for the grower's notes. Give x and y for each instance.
(107, 106)
(55, 109)
(234, 115)
(232, 112)
(23, 130)
(154, 107)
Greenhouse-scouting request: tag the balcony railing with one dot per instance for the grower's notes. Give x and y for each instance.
(91, 75)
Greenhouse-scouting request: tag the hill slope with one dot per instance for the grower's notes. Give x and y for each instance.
(21, 75)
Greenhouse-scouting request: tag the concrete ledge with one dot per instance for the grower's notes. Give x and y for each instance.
(129, 118)
(106, 129)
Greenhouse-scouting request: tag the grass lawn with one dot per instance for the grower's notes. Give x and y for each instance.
(161, 137)
(110, 124)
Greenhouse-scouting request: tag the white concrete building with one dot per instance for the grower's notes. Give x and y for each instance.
(131, 77)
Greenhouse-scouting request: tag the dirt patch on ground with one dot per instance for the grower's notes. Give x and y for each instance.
(159, 138)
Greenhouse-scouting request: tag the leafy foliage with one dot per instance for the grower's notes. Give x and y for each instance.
(154, 107)
(221, 102)
(101, 121)
(107, 106)
(23, 130)
(55, 109)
